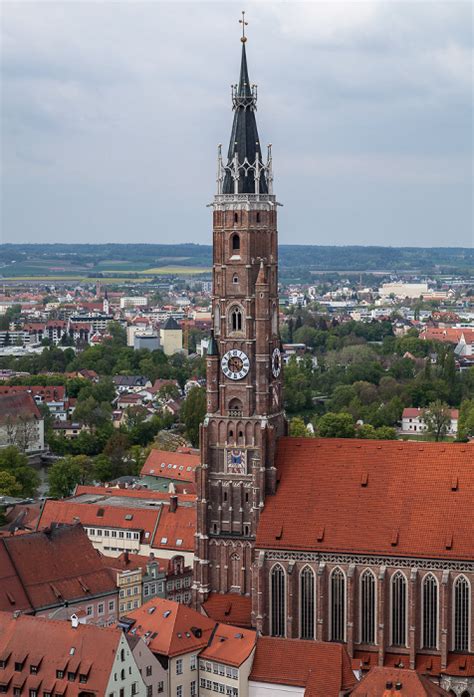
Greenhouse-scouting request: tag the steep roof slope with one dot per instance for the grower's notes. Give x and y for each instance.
(372, 497)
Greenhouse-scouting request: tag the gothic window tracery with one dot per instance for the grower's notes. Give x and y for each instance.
(235, 319)
(430, 612)
(277, 600)
(307, 603)
(399, 609)
(461, 612)
(337, 619)
(367, 607)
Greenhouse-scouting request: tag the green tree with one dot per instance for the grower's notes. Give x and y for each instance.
(193, 412)
(63, 477)
(103, 469)
(385, 433)
(297, 386)
(437, 418)
(466, 420)
(366, 431)
(336, 425)
(116, 449)
(16, 463)
(297, 428)
(92, 413)
(9, 485)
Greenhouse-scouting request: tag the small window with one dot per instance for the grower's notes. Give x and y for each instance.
(258, 217)
(236, 319)
(235, 279)
(236, 217)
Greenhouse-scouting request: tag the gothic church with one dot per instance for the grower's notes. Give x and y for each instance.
(369, 543)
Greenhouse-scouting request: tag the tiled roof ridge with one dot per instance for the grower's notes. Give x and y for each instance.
(63, 624)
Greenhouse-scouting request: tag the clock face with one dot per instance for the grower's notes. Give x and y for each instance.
(276, 362)
(235, 364)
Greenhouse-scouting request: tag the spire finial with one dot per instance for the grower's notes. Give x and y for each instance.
(244, 24)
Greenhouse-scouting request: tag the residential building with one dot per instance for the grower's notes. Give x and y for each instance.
(140, 528)
(403, 290)
(413, 421)
(162, 468)
(41, 657)
(225, 664)
(133, 301)
(292, 668)
(69, 429)
(130, 383)
(54, 573)
(171, 337)
(21, 423)
(176, 635)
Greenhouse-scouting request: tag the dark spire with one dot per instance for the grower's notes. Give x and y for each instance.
(244, 140)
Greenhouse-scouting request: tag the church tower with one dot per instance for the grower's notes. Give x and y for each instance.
(244, 382)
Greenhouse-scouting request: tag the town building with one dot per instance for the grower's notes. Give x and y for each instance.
(290, 668)
(21, 423)
(162, 468)
(413, 421)
(171, 337)
(397, 682)
(55, 573)
(40, 657)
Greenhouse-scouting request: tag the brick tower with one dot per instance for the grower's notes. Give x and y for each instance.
(244, 382)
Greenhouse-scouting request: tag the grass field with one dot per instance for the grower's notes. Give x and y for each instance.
(178, 270)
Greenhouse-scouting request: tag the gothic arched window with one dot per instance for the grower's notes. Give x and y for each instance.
(217, 320)
(236, 322)
(461, 612)
(367, 607)
(337, 610)
(430, 612)
(235, 570)
(235, 246)
(277, 599)
(399, 609)
(307, 603)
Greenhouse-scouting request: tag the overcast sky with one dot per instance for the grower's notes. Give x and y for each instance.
(111, 113)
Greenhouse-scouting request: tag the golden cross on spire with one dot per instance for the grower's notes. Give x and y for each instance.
(244, 24)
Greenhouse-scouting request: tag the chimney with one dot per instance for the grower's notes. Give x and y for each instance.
(126, 557)
(173, 504)
(74, 621)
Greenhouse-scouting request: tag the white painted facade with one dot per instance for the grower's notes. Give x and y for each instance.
(125, 674)
(267, 689)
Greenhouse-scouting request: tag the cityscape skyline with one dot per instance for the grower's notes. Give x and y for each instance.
(367, 105)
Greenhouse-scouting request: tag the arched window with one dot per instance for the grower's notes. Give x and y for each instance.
(461, 611)
(236, 319)
(430, 612)
(235, 279)
(307, 603)
(235, 246)
(258, 217)
(217, 320)
(236, 217)
(367, 607)
(235, 570)
(337, 618)
(235, 407)
(277, 596)
(274, 320)
(399, 609)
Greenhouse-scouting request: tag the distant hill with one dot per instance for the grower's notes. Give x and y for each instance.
(296, 261)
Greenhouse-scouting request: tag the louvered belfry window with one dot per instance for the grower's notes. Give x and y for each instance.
(367, 607)
(461, 614)
(399, 609)
(338, 605)
(277, 588)
(307, 604)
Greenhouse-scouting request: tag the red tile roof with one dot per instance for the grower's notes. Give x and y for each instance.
(172, 465)
(173, 527)
(322, 668)
(142, 520)
(50, 393)
(448, 334)
(12, 593)
(416, 412)
(54, 645)
(58, 565)
(146, 494)
(230, 608)
(170, 628)
(230, 645)
(16, 406)
(396, 682)
(382, 497)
